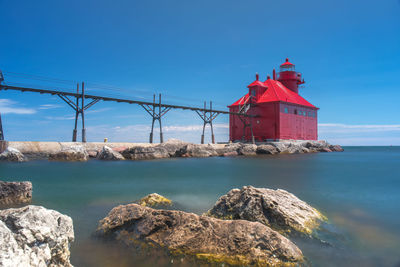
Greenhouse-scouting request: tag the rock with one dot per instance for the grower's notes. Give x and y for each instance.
(154, 199)
(93, 153)
(15, 192)
(294, 148)
(173, 147)
(336, 148)
(12, 154)
(266, 149)
(229, 149)
(198, 151)
(324, 149)
(35, 236)
(280, 147)
(143, 153)
(236, 242)
(71, 153)
(279, 209)
(247, 150)
(108, 154)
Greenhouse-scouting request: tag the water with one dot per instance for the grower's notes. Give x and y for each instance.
(358, 190)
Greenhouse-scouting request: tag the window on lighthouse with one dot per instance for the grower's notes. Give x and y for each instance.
(253, 92)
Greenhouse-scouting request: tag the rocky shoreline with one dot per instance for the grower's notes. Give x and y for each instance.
(68, 151)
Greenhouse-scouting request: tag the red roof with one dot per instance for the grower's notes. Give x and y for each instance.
(277, 92)
(256, 83)
(287, 63)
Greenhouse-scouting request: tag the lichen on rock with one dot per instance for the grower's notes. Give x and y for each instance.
(154, 199)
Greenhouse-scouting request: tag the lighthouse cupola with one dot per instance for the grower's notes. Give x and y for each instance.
(289, 77)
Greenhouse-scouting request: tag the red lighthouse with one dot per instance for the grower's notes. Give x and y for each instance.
(277, 110)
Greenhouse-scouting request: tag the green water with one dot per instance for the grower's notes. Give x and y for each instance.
(358, 190)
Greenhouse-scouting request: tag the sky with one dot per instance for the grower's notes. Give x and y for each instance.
(193, 51)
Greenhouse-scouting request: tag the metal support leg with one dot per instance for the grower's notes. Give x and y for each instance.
(212, 133)
(202, 136)
(161, 133)
(1, 130)
(83, 114)
(151, 133)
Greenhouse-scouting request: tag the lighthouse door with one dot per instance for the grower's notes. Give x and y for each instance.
(299, 127)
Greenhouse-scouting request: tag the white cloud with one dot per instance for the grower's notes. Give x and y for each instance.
(8, 106)
(140, 133)
(49, 106)
(59, 118)
(348, 128)
(360, 134)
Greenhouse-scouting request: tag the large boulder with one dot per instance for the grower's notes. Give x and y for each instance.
(35, 236)
(234, 242)
(281, 147)
(108, 154)
(336, 148)
(12, 154)
(229, 150)
(15, 192)
(154, 199)
(266, 149)
(198, 151)
(143, 153)
(173, 147)
(247, 150)
(70, 153)
(279, 209)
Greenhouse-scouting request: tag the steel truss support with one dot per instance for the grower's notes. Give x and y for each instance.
(247, 123)
(246, 119)
(79, 109)
(156, 111)
(208, 116)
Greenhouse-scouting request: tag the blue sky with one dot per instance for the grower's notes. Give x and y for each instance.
(192, 51)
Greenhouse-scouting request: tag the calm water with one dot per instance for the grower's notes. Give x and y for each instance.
(358, 190)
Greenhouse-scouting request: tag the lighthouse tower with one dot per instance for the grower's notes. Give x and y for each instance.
(277, 110)
(289, 77)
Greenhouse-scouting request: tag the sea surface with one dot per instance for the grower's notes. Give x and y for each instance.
(358, 190)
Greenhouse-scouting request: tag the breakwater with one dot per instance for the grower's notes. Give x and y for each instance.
(70, 151)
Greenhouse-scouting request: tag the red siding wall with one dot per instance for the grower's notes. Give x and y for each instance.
(273, 123)
(300, 126)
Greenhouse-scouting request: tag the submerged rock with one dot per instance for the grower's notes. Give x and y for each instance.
(235, 242)
(71, 153)
(12, 154)
(279, 209)
(35, 236)
(108, 154)
(143, 153)
(154, 199)
(15, 192)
